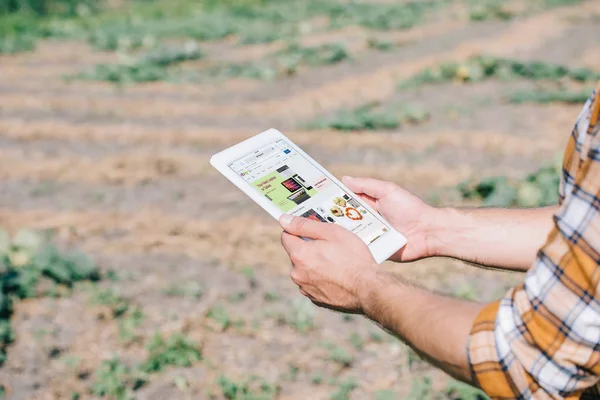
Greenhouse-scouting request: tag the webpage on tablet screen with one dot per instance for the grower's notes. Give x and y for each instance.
(298, 187)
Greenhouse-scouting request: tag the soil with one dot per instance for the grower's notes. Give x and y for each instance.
(123, 174)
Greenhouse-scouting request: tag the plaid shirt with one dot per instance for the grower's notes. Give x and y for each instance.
(542, 340)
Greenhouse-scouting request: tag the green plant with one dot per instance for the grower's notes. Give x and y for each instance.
(458, 390)
(129, 323)
(481, 10)
(111, 298)
(249, 389)
(317, 378)
(382, 45)
(376, 337)
(551, 96)
(117, 380)
(345, 387)
(367, 118)
(271, 296)
(421, 388)
(220, 315)
(26, 259)
(148, 68)
(188, 289)
(536, 190)
(382, 16)
(237, 297)
(340, 356)
(356, 341)
(385, 394)
(480, 68)
(300, 315)
(47, 7)
(176, 350)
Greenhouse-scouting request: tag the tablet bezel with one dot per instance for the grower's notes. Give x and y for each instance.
(381, 249)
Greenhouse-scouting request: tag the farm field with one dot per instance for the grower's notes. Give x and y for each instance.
(108, 119)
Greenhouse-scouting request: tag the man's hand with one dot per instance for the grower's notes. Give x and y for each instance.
(407, 213)
(336, 270)
(330, 269)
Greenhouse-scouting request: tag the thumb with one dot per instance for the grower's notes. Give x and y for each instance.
(371, 187)
(305, 227)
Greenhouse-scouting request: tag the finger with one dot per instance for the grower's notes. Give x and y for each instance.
(372, 187)
(292, 244)
(307, 228)
(369, 200)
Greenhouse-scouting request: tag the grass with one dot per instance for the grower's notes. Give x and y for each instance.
(25, 260)
(188, 290)
(220, 316)
(368, 118)
(300, 315)
(536, 190)
(341, 356)
(480, 68)
(551, 96)
(252, 388)
(176, 350)
(117, 380)
(129, 323)
(345, 387)
(113, 300)
(151, 67)
(286, 62)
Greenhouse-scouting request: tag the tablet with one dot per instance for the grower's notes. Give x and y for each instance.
(282, 178)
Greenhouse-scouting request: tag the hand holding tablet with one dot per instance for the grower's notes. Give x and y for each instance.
(282, 179)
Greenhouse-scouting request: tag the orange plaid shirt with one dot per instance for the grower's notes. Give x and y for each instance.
(542, 340)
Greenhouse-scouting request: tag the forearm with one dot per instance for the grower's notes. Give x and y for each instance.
(436, 327)
(502, 238)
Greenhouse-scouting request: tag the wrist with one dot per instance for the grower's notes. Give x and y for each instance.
(443, 224)
(371, 287)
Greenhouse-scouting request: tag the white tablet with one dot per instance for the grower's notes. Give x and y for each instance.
(282, 178)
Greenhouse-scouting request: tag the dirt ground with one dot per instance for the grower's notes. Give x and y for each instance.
(123, 173)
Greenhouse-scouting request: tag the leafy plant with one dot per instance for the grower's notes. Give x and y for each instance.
(176, 350)
(24, 261)
(551, 96)
(458, 390)
(367, 118)
(149, 68)
(382, 45)
(385, 394)
(285, 62)
(117, 380)
(250, 389)
(189, 289)
(220, 315)
(111, 298)
(382, 16)
(300, 315)
(340, 356)
(480, 68)
(356, 340)
(481, 10)
(128, 324)
(536, 190)
(345, 387)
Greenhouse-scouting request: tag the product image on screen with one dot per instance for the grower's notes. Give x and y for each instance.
(298, 187)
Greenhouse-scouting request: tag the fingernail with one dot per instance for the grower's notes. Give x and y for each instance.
(285, 220)
(347, 177)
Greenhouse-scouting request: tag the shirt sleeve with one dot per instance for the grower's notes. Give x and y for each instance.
(542, 340)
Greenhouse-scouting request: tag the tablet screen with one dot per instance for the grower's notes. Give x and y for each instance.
(299, 187)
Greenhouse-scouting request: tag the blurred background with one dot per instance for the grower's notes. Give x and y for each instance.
(129, 268)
